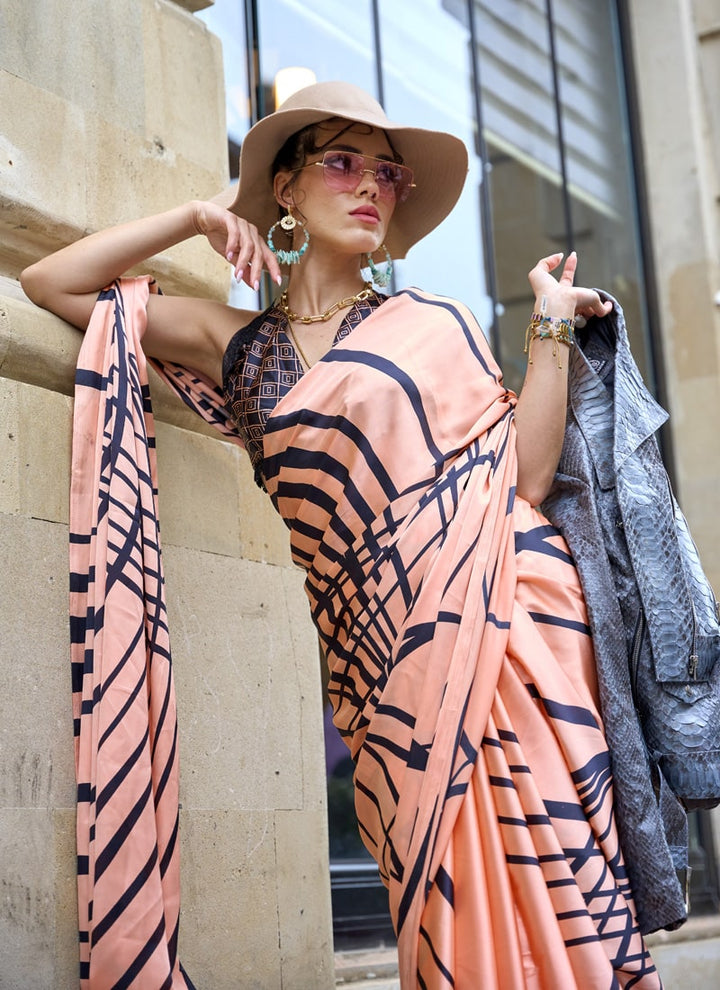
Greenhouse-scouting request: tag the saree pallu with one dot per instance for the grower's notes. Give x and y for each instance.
(126, 754)
(461, 666)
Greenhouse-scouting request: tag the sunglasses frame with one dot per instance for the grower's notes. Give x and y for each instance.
(347, 182)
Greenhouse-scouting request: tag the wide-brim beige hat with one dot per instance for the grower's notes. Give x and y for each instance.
(438, 160)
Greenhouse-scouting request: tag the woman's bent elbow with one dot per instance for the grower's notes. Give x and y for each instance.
(534, 491)
(32, 284)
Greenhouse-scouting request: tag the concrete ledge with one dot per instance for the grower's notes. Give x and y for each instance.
(694, 930)
(41, 349)
(193, 5)
(688, 957)
(376, 968)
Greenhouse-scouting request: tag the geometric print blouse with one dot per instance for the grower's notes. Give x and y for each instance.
(261, 365)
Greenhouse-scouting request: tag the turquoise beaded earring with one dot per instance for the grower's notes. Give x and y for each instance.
(288, 224)
(380, 278)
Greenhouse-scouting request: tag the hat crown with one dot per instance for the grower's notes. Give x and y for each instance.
(337, 99)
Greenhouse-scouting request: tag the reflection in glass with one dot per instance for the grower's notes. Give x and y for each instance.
(310, 33)
(537, 209)
(427, 71)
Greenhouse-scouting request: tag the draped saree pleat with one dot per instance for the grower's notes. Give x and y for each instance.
(461, 667)
(126, 752)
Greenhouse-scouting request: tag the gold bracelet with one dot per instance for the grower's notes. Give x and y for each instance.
(557, 328)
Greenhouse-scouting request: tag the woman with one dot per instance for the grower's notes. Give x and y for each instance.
(450, 613)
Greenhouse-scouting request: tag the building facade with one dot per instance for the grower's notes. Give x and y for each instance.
(592, 125)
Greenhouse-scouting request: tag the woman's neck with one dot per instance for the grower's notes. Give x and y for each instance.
(314, 288)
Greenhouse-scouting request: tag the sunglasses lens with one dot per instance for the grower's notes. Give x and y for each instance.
(343, 170)
(394, 177)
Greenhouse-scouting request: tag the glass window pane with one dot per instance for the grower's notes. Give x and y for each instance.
(310, 34)
(533, 213)
(427, 75)
(601, 182)
(521, 135)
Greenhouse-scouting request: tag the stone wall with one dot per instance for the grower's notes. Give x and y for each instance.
(677, 61)
(114, 110)
(676, 52)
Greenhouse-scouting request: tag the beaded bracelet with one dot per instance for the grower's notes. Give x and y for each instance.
(558, 328)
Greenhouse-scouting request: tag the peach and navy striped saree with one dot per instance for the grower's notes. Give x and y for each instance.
(126, 748)
(461, 665)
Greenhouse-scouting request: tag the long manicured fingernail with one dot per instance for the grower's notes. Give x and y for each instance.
(256, 284)
(278, 279)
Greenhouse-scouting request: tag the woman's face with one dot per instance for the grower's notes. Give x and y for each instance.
(353, 220)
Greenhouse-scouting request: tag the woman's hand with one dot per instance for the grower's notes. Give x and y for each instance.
(562, 297)
(236, 240)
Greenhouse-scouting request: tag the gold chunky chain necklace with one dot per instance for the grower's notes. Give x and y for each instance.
(365, 293)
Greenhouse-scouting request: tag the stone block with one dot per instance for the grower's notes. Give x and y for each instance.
(36, 745)
(102, 64)
(263, 535)
(198, 497)
(697, 457)
(184, 86)
(10, 452)
(27, 919)
(65, 898)
(240, 707)
(709, 59)
(137, 175)
(680, 196)
(148, 133)
(309, 688)
(35, 346)
(229, 916)
(39, 208)
(44, 434)
(303, 891)
(706, 16)
(693, 343)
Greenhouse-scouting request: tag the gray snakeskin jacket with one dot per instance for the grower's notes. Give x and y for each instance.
(609, 447)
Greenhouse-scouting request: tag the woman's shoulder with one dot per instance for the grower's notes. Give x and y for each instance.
(414, 293)
(454, 308)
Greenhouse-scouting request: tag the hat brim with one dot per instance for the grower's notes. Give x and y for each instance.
(439, 162)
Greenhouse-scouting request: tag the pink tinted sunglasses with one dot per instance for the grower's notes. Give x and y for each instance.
(343, 170)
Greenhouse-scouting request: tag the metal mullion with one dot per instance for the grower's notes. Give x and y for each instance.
(254, 76)
(486, 225)
(567, 206)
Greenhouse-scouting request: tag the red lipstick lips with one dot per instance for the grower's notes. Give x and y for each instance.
(366, 213)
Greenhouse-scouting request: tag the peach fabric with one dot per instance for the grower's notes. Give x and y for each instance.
(126, 751)
(461, 665)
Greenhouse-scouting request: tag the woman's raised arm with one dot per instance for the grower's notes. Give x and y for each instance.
(190, 331)
(542, 403)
